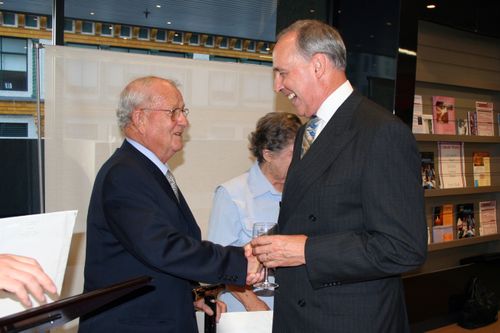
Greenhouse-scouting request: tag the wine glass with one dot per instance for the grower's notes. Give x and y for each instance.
(259, 229)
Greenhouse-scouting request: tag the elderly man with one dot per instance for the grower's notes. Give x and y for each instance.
(140, 224)
(352, 214)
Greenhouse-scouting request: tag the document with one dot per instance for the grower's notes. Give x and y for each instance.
(488, 217)
(451, 164)
(484, 111)
(241, 322)
(44, 237)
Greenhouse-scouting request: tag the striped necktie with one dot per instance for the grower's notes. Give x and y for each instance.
(309, 134)
(173, 184)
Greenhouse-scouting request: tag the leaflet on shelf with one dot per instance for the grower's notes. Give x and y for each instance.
(488, 217)
(451, 165)
(466, 224)
(418, 122)
(443, 112)
(481, 168)
(484, 112)
(428, 171)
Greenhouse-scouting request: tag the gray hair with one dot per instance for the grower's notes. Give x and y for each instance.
(274, 132)
(134, 95)
(314, 36)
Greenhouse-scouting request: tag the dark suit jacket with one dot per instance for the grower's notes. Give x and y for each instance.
(136, 227)
(357, 195)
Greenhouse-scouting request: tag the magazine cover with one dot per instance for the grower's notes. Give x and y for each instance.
(443, 112)
(462, 126)
(481, 168)
(487, 217)
(451, 165)
(428, 171)
(472, 124)
(442, 215)
(484, 112)
(418, 122)
(442, 223)
(466, 224)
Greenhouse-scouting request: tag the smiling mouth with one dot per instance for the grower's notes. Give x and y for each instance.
(291, 96)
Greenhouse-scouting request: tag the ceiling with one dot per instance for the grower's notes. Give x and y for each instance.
(257, 19)
(253, 19)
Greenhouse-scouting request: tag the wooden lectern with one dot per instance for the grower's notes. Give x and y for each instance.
(57, 313)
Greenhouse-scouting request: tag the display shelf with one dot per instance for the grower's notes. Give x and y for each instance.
(462, 242)
(460, 191)
(456, 138)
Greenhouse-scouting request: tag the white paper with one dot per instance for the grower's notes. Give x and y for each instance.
(44, 237)
(487, 218)
(241, 322)
(418, 122)
(451, 164)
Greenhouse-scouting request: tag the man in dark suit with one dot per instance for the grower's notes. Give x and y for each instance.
(140, 224)
(352, 213)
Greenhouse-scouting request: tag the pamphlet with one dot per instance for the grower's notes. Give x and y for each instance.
(481, 169)
(487, 217)
(44, 237)
(466, 224)
(443, 111)
(451, 164)
(484, 111)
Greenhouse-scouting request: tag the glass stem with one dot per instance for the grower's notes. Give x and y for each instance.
(265, 275)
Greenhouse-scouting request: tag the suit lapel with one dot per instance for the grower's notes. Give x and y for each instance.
(326, 148)
(165, 185)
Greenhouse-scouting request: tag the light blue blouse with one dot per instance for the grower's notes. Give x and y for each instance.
(238, 204)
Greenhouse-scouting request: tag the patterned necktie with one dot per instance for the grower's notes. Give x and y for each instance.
(309, 134)
(173, 184)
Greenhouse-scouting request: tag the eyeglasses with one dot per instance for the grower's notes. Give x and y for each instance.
(174, 113)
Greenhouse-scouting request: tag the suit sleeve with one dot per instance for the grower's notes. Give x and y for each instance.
(150, 225)
(393, 237)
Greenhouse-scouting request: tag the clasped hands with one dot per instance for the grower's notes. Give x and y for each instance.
(273, 251)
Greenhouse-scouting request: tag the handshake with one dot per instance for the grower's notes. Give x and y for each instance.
(273, 251)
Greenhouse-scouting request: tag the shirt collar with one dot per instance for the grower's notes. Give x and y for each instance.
(331, 104)
(258, 183)
(150, 155)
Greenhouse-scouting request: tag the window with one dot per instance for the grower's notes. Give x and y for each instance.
(210, 41)
(13, 130)
(49, 23)
(83, 46)
(194, 40)
(143, 34)
(161, 36)
(172, 54)
(177, 38)
(138, 51)
(223, 59)
(223, 43)
(107, 30)
(237, 45)
(32, 21)
(13, 64)
(9, 19)
(13, 126)
(251, 46)
(264, 48)
(126, 32)
(88, 28)
(69, 25)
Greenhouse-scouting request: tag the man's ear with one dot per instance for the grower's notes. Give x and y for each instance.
(138, 119)
(319, 63)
